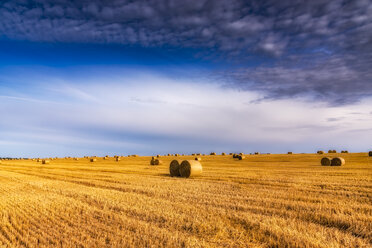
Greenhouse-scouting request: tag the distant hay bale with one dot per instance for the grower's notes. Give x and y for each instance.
(345, 151)
(223, 154)
(241, 157)
(134, 155)
(76, 159)
(256, 153)
(235, 155)
(337, 161)
(325, 161)
(169, 154)
(290, 152)
(241, 153)
(93, 160)
(177, 155)
(198, 159)
(199, 154)
(45, 161)
(105, 158)
(213, 153)
(174, 168)
(157, 162)
(158, 156)
(230, 153)
(370, 154)
(190, 168)
(332, 151)
(38, 160)
(320, 152)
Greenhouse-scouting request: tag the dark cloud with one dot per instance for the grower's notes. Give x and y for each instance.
(319, 48)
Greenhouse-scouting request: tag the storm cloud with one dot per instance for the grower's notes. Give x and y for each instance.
(284, 49)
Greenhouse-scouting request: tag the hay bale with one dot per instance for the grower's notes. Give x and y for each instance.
(93, 160)
(76, 159)
(174, 168)
(223, 154)
(105, 158)
(157, 162)
(256, 153)
(337, 161)
(230, 153)
(158, 156)
(370, 154)
(190, 168)
(38, 160)
(290, 152)
(320, 152)
(213, 153)
(45, 161)
(117, 159)
(241, 157)
(325, 161)
(345, 151)
(235, 155)
(198, 159)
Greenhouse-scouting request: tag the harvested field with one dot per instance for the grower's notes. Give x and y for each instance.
(262, 201)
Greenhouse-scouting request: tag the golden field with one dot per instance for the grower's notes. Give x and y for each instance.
(262, 201)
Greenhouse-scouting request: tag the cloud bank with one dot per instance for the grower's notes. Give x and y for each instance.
(321, 49)
(148, 113)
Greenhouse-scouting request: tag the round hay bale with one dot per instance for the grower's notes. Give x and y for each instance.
(241, 157)
(223, 154)
(320, 152)
(117, 159)
(235, 155)
(290, 152)
(198, 159)
(76, 159)
(256, 153)
(370, 154)
(345, 151)
(230, 153)
(189, 168)
(174, 168)
(45, 161)
(325, 161)
(213, 153)
(157, 162)
(158, 156)
(337, 161)
(93, 160)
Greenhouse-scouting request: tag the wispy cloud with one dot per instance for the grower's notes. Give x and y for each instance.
(168, 115)
(320, 49)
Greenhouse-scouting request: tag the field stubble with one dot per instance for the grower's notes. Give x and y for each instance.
(262, 201)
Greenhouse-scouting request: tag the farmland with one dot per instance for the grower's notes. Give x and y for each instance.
(262, 201)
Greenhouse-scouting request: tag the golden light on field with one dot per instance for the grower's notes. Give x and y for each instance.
(262, 201)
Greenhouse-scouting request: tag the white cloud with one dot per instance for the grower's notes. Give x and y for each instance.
(149, 113)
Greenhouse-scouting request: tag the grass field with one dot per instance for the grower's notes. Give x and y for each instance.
(262, 201)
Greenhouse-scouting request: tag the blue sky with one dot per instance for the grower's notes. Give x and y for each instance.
(95, 78)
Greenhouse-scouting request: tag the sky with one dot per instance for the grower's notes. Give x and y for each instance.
(169, 76)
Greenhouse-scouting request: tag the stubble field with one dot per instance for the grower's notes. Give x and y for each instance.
(262, 201)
